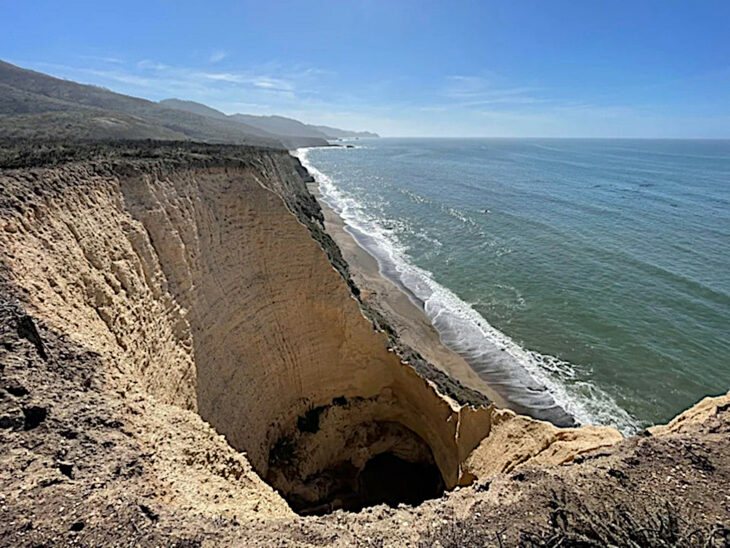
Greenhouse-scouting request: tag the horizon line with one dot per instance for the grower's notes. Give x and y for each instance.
(545, 137)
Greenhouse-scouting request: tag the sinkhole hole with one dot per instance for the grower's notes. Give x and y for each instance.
(371, 463)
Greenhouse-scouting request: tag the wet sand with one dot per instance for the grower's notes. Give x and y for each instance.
(406, 317)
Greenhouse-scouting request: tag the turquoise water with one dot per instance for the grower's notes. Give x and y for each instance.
(584, 276)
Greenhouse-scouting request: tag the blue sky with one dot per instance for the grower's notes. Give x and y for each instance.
(509, 68)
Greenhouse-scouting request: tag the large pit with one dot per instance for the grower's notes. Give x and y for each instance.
(378, 463)
(198, 282)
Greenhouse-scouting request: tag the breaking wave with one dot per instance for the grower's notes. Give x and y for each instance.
(542, 386)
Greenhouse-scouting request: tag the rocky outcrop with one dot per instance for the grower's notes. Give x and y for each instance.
(515, 441)
(707, 412)
(177, 325)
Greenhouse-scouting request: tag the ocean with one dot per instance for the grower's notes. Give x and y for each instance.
(588, 275)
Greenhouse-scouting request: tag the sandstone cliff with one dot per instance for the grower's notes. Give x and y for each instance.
(180, 335)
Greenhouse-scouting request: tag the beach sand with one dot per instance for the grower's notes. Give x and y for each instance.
(408, 319)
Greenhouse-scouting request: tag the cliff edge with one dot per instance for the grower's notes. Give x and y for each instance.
(185, 359)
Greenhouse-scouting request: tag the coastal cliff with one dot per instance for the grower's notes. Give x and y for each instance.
(184, 350)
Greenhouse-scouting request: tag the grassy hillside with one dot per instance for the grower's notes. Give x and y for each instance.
(195, 108)
(37, 105)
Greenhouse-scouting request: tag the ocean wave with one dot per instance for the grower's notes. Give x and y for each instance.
(414, 196)
(458, 214)
(505, 296)
(540, 385)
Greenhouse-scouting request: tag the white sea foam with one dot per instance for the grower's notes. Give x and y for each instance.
(541, 384)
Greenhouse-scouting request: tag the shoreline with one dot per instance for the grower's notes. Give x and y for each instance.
(413, 326)
(405, 313)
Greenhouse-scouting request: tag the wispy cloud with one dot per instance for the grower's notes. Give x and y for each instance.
(120, 76)
(271, 87)
(481, 104)
(102, 59)
(465, 87)
(273, 84)
(217, 56)
(221, 76)
(147, 64)
(473, 91)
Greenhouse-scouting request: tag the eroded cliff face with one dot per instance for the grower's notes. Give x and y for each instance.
(199, 278)
(201, 283)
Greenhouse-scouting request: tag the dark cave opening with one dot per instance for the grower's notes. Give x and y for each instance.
(389, 479)
(385, 479)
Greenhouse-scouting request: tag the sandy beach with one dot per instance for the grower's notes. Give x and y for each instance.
(407, 318)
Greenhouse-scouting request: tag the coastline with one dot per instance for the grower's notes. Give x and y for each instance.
(489, 378)
(414, 328)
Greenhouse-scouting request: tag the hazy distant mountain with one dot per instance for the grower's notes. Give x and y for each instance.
(283, 132)
(35, 105)
(280, 125)
(277, 125)
(334, 133)
(289, 126)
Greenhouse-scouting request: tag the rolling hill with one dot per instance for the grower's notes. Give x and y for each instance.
(277, 125)
(35, 105)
